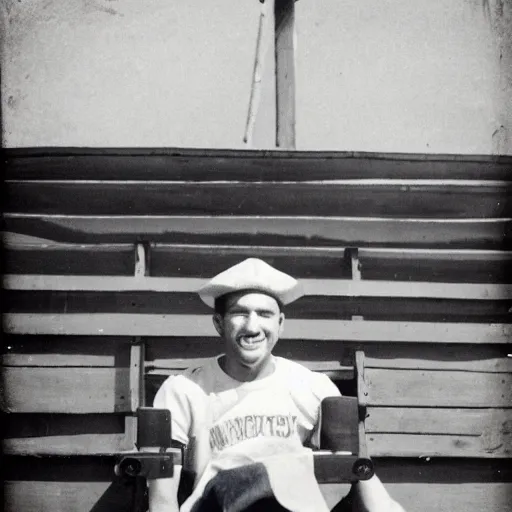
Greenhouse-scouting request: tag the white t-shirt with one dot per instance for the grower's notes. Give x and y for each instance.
(225, 423)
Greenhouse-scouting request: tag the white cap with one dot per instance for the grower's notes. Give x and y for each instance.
(252, 274)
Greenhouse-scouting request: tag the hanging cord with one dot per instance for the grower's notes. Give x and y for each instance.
(259, 58)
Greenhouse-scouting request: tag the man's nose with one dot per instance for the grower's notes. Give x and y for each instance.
(252, 324)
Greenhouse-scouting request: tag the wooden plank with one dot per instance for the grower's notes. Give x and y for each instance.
(65, 390)
(309, 306)
(284, 34)
(417, 388)
(84, 496)
(221, 164)
(92, 444)
(186, 260)
(427, 356)
(201, 325)
(75, 351)
(424, 420)
(63, 434)
(261, 230)
(68, 259)
(443, 199)
(409, 445)
(320, 287)
(462, 357)
(473, 497)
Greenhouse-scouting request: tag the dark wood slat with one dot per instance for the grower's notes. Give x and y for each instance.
(64, 434)
(73, 351)
(438, 445)
(417, 388)
(94, 259)
(312, 287)
(312, 307)
(209, 260)
(201, 325)
(403, 199)
(436, 266)
(455, 234)
(450, 356)
(493, 424)
(413, 356)
(201, 164)
(65, 390)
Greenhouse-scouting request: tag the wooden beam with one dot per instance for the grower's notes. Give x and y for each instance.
(422, 388)
(284, 33)
(66, 390)
(263, 230)
(312, 287)
(438, 445)
(431, 199)
(201, 164)
(491, 423)
(100, 324)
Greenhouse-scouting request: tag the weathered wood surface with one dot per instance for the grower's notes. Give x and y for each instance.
(69, 259)
(186, 260)
(471, 233)
(430, 388)
(431, 199)
(64, 434)
(497, 445)
(85, 485)
(102, 324)
(220, 164)
(315, 307)
(317, 287)
(65, 390)
(70, 351)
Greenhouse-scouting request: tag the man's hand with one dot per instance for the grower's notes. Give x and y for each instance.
(163, 493)
(371, 496)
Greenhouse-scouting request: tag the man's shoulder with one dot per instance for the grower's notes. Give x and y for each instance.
(299, 377)
(193, 377)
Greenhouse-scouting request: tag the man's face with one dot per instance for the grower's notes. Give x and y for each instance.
(250, 328)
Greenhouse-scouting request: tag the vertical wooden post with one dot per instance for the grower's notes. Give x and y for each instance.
(284, 22)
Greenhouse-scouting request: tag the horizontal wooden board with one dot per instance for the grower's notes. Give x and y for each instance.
(64, 434)
(85, 484)
(220, 164)
(463, 357)
(311, 307)
(201, 325)
(75, 351)
(65, 390)
(427, 356)
(421, 388)
(103, 497)
(410, 445)
(259, 230)
(436, 265)
(115, 260)
(316, 287)
(441, 265)
(489, 423)
(359, 198)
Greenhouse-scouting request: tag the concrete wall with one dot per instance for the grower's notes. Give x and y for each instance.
(375, 75)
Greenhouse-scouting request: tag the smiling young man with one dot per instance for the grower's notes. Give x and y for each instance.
(250, 409)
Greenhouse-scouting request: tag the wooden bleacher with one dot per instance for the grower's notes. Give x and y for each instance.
(405, 257)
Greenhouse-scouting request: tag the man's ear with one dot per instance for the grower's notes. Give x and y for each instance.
(281, 323)
(218, 322)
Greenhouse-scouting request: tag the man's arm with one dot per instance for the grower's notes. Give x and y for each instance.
(163, 493)
(371, 496)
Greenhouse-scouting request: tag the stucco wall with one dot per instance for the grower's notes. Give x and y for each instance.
(379, 75)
